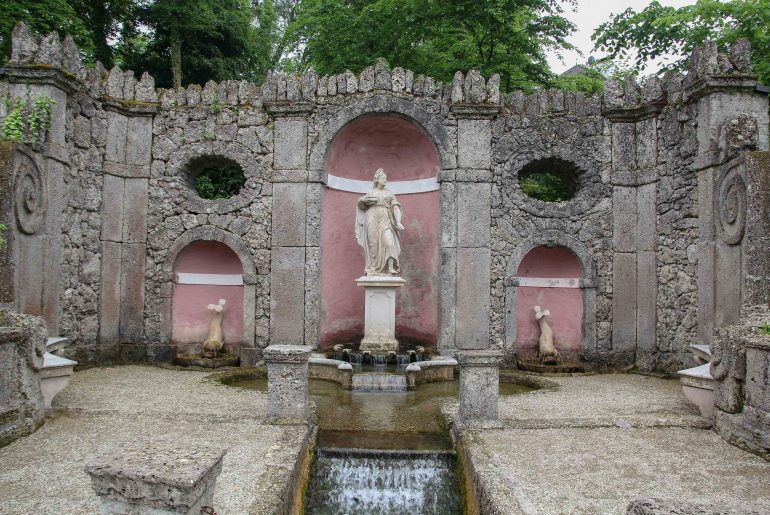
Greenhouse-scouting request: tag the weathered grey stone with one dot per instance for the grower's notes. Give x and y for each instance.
(624, 219)
(669, 507)
(24, 44)
(289, 201)
(287, 295)
(366, 79)
(133, 257)
(22, 345)
(457, 96)
(479, 388)
(382, 78)
(115, 81)
(624, 309)
(472, 298)
(156, 478)
(473, 214)
(287, 374)
(50, 51)
(474, 147)
(145, 89)
(290, 144)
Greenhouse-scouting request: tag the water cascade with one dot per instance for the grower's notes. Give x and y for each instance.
(355, 481)
(379, 382)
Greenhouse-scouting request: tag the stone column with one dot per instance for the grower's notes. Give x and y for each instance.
(295, 231)
(287, 374)
(479, 388)
(732, 117)
(468, 264)
(38, 175)
(633, 113)
(130, 108)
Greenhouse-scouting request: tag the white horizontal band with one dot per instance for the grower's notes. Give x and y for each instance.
(397, 187)
(549, 282)
(213, 279)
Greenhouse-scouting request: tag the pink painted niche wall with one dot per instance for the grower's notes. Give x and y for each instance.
(565, 304)
(190, 316)
(406, 153)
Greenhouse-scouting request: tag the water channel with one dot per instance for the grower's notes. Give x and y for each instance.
(383, 452)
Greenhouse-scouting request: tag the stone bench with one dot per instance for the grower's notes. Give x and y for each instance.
(156, 479)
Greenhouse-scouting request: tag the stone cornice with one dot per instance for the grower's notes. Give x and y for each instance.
(42, 74)
(288, 109)
(476, 111)
(634, 113)
(718, 83)
(129, 107)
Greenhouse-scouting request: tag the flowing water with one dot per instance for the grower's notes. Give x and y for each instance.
(378, 382)
(383, 452)
(347, 482)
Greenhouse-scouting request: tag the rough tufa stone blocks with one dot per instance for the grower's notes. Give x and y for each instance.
(156, 479)
(287, 373)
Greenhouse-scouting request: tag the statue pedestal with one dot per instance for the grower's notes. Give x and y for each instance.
(380, 309)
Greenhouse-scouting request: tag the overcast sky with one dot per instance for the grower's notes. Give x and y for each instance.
(589, 15)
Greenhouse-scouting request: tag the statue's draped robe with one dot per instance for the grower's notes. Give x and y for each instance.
(373, 225)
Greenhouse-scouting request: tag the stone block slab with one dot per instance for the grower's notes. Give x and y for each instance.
(474, 143)
(290, 147)
(624, 146)
(647, 214)
(472, 299)
(447, 298)
(112, 208)
(479, 388)
(132, 292)
(448, 202)
(289, 204)
(646, 301)
(727, 293)
(117, 128)
(135, 198)
(139, 140)
(624, 309)
(287, 375)
(624, 219)
(126, 170)
(287, 295)
(156, 478)
(109, 299)
(473, 214)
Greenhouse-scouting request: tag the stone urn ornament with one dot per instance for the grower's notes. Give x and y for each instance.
(546, 351)
(214, 341)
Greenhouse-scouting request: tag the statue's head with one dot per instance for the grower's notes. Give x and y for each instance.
(380, 178)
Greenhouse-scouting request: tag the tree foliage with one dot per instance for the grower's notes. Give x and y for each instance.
(222, 181)
(436, 37)
(42, 17)
(658, 30)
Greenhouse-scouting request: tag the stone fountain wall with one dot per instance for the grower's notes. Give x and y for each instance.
(657, 223)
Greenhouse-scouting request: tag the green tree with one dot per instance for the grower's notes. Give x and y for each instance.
(435, 37)
(658, 30)
(107, 22)
(42, 17)
(192, 41)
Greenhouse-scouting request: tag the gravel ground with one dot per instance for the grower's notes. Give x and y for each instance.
(106, 409)
(598, 442)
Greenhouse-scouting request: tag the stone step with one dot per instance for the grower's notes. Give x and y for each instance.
(702, 352)
(698, 387)
(55, 376)
(56, 343)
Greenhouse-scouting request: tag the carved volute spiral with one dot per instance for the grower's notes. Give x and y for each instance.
(731, 207)
(31, 200)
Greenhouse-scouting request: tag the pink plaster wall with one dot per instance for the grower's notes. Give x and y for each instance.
(565, 304)
(405, 153)
(190, 318)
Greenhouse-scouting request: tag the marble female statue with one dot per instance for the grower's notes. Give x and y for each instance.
(378, 220)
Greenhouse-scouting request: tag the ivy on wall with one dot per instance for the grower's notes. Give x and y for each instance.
(28, 121)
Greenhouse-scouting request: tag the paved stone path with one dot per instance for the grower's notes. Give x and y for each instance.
(598, 442)
(108, 408)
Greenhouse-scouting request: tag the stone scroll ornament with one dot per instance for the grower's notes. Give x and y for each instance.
(378, 222)
(731, 207)
(31, 199)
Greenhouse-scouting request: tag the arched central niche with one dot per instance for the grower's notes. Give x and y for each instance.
(396, 144)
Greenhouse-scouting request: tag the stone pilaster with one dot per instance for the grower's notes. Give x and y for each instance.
(287, 374)
(479, 388)
(125, 191)
(732, 118)
(466, 220)
(633, 114)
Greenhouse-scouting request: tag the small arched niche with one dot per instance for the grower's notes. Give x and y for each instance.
(409, 157)
(550, 277)
(204, 272)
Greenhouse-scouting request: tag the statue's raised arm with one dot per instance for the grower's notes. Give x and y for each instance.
(378, 222)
